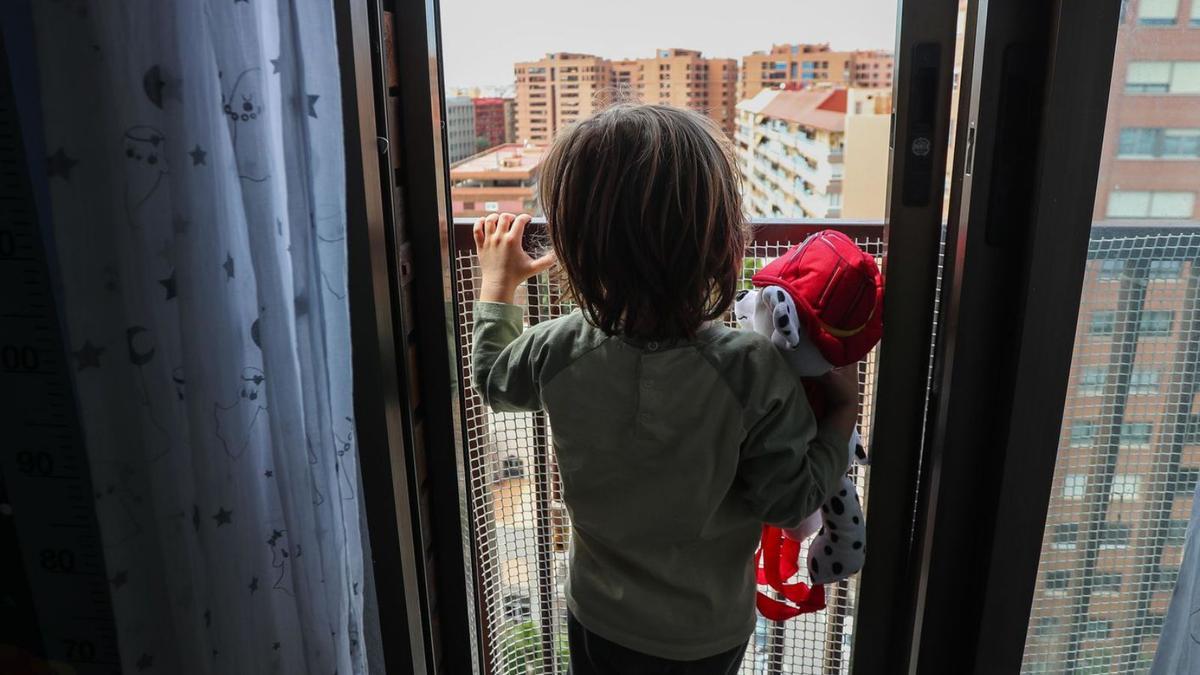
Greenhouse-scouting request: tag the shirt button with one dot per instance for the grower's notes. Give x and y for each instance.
(653, 346)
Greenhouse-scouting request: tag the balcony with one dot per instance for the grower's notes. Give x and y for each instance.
(523, 531)
(818, 152)
(798, 165)
(522, 527)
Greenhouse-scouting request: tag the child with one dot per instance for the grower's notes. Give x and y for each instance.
(676, 437)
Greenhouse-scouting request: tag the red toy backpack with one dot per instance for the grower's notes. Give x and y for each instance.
(838, 292)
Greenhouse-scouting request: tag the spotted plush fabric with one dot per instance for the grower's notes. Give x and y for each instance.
(838, 550)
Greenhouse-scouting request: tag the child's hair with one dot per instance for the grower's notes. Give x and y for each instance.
(645, 215)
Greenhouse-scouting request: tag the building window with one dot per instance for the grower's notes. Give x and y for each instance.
(1165, 270)
(1091, 383)
(1138, 142)
(1074, 485)
(1158, 12)
(512, 467)
(1126, 487)
(1195, 14)
(1083, 433)
(1153, 623)
(1057, 582)
(1107, 584)
(1176, 532)
(1181, 143)
(1150, 142)
(1156, 322)
(517, 607)
(1065, 536)
(1045, 625)
(1164, 579)
(1186, 479)
(1163, 77)
(1114, 536)
(1143, 381)
(1103, 322)
(1097, 630)
(1146, 204)
(1135, 434)
(1148, 77)
(1111, 269)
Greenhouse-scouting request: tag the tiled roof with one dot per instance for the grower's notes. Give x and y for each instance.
(817, 108)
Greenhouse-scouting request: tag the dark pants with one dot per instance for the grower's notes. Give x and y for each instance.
(593, 655)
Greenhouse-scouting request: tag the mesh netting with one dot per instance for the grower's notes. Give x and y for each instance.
(1127, 464)
(523, 534)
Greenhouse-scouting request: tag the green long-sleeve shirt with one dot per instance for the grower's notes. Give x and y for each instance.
(671, 457)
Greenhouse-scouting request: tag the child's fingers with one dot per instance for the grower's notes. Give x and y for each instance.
(478, 232)
(489, 224)
(505, 223)
(517, 231)
(543, 263)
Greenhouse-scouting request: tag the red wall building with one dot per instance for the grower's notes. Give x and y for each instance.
(492, 119)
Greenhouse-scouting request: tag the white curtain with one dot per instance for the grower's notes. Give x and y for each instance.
(196, 176)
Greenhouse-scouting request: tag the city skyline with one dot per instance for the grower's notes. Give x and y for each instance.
(472, 58)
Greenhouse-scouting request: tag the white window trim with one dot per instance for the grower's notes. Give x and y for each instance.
(1072, 491)
(1130, 490)
(1173, 15)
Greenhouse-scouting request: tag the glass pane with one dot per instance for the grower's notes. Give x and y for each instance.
(1128, 204)
(1172, 204)
(1138, 142)
(1185, 77)
(1148, 76)
(807, 108)
(1157, 12)
(1181, 143)
(1129, 453)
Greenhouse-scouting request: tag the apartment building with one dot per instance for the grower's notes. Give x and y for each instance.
(1149, 169)
(460, 128)
(556, 91)
(495, 121)
(561, 88)
(797, 66)
(816, 153)
(1129, 457)
(685, 79)
(501, 179)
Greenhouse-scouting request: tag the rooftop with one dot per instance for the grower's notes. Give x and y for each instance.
(511, 160)
(800, 48)
(818, 108)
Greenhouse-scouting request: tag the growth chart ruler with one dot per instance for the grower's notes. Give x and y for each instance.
(50, 554)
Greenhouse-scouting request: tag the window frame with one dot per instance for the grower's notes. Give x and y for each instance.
(1155, 141)
(1065, 537)
(1056, 583)
(1074, 486)
(1161, 20)
(1162, 88)
(1024, 398)
(1126, 487)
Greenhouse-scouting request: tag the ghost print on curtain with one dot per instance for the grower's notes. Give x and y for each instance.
(196, 178)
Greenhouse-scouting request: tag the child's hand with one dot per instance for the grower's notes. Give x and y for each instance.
(841, 394)
(841, 387)
(503, 261)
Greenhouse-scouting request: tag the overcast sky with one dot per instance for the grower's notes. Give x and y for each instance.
(481, 39)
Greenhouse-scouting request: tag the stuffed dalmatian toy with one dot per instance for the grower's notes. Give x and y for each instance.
(838, 551)
(821, 306)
